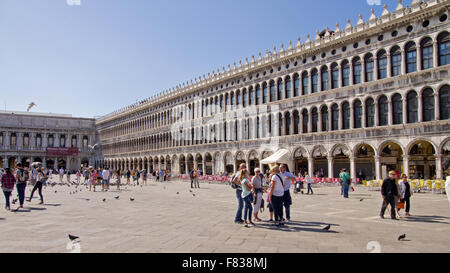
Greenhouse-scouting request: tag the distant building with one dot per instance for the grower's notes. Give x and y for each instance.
(53, 139)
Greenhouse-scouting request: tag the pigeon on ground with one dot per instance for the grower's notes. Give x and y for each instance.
(131, 199)
(73, 237)
(104, 199)
(361, 199)
(402, 237)
(14, 201)
(178, 192)
(327, 227)
(117, 197)
(190, 190)
(56, 191)
(193, 194)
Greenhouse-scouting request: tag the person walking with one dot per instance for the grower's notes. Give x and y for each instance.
(61, 174)
(288, 179)
(8, 182)
(144, 177)
(275, 195)
(257, 193)
(247, 196)
(105, 179)
(235, 184)
(195, 175)
(309, 181)
(389, 192)
(99, 177)
(118, 179)
(93, 179)
(78, 175)
(86, 176)
(345, 182)
(40, 181)
(22, 176)
(128, 177)
(68, 176)
(405, 194)
(138, 175)
(191, 177)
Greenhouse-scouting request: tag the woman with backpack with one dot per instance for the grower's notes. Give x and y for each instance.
(22, 176)
(8, 181)
(40, 181)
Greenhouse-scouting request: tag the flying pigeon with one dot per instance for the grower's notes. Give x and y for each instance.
(327, 227)
(402, 237)
(73, 238)
(30, 106)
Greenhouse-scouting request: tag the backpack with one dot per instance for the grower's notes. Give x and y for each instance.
(25, 176)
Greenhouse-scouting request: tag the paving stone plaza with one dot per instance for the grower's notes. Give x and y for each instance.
(161, 221)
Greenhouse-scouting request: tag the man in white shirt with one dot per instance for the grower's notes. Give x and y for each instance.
(288, 178)
(61, 175)
(105, 181)
(447, 184)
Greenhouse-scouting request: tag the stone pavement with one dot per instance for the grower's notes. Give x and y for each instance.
(160, 221)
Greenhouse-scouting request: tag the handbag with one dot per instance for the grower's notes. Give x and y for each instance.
(401, 205)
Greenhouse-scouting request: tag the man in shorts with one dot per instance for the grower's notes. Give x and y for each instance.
(105, 179)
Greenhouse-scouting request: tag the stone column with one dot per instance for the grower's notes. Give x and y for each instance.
(439, 170)
(352, 117)
(390, 113)
(403, 63)
(435, 54)
(389, 65)
(419, 57)
(363, 70)
(330, 167)
(341, 118)
(340, 77)
(363, 114)
(420, 107)
(406, 165)
(310, 121)
(353, 168)
(310, 166)
(405, 111)
(437, 114)
(319, 122)
(204, 166)
(375, 69)
(377, 168)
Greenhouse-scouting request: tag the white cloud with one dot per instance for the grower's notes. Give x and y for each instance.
(373, 2)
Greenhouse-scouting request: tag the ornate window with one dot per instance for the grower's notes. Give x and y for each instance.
(324, 119)
(305, 117)
(397, 108)
(345, 115)
(51, 141)
(26, 140)
(227, 102)
(335, 117)
(345, 73)
(444, 102)
(305, 83)
(288, 88)
(324, 75)
(357, 114)
(244, 98)
(287, 118)
(296, 85)
(396, 61)
(382, 65)
(280, 89)
(315, 81)
(238, 99)
(357, 70)
(251, 96)
(74, 141)
(412, 106)
(369, 67)
(370, 113)
(334, 76)
(280, 122)
(296, 122)
(383, 111)
(265, 93)
(315, 119)
(427, 53)
(444, 48)
(428, 104)
(411, 57)
(272, 91)
(62, 141)
(258, 95)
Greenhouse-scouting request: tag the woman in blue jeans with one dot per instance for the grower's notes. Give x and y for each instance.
(247, 196)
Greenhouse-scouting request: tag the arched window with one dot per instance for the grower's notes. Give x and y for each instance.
(250, 128)
(251, 96)
(427, 53)
(411, 57)
(221, 104)
(396, 61)
(264, 126)
(238, 99)
(335, 117)
(345, 73)
(315, 119)
(324, 119)
(227, 102)
(258, 95)
(244, 98)
(315, 81)
(296, 85)
(272, 125)
(233, 98)
(288, 88)
(357, 114)
(370, 113)
(444, 102)
(305, 117)
(382, 64)
(265, 93)
(428, 104)
(305, 83)
(383, 111)
(38, 141)
(272, 91)
(334, 76)
(257, 127)
(397, 109)
(324, 75)
(444, 48)
(26, 140)
(13, 139)
(296, 122)
(357, 70)
(345, 115)
(412, 106)
(62, 141)
(369, 67)
(280, 89)
(280, 122)
(287, 118)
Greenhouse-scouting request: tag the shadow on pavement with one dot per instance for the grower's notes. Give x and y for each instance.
(2, 219)
(427, 219)
(38, 209)
(297, 226)
(52, 205)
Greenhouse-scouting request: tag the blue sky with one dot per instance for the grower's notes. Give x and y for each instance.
(102, 55)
